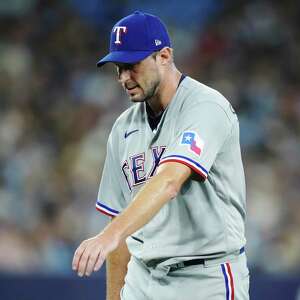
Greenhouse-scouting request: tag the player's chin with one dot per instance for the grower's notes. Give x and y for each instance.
(137, 98)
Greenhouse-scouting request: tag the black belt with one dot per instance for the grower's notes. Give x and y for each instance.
(197, 261)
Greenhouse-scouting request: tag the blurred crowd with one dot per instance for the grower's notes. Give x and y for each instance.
(56, 111)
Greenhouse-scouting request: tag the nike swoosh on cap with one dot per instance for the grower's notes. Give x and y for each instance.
(128, 133)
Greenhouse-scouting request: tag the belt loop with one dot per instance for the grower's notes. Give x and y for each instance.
(177, 266)
(160, 271)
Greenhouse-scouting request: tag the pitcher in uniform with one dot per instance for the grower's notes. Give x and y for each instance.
(173, 181)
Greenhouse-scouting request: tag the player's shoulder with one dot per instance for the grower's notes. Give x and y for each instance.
(199, 92)
(199, 95)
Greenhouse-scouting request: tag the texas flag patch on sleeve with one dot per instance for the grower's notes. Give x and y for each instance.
(192, 140)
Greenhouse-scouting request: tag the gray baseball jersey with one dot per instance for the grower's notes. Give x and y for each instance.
(200, 129)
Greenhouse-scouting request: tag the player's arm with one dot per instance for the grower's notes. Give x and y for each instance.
(158, 190)
(116, 269)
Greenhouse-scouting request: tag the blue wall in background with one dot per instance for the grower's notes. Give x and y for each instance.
(73, 288)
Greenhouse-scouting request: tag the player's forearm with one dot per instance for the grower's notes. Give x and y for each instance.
(144, 207)
(116, 269)
(150, 199)
(92, 252)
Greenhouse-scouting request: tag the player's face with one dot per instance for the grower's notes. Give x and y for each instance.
(140, 80)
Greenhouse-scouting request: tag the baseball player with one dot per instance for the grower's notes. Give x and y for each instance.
(173, 181)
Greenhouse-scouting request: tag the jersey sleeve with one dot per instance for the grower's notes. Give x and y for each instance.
(110, 200)
(199, 135)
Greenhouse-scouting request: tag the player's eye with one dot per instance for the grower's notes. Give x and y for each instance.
(124, 67)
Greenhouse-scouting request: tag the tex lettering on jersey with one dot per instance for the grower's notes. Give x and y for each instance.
(133, 168)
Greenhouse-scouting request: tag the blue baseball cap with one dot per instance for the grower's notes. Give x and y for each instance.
(135, 37)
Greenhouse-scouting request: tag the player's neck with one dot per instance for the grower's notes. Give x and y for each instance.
(166, 91)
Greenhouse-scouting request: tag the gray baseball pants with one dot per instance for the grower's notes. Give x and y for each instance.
(224, 278)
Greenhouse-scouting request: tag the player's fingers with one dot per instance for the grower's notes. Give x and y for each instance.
(77, 256)
(83, 263)
(91, 262)
(99, 262)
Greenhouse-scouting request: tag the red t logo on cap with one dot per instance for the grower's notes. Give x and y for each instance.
(118, 34)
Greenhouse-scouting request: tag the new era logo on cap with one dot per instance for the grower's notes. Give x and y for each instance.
(135, 37)
(157, 42)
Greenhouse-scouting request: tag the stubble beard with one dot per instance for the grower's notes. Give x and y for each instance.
(150, 94)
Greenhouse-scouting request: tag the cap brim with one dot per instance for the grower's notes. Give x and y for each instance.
(125, 57)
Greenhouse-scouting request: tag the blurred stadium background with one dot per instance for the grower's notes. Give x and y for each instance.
(57, 109)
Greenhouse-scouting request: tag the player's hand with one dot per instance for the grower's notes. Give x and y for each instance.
(91, 253)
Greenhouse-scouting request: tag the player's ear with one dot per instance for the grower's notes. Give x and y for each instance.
(166, 55)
